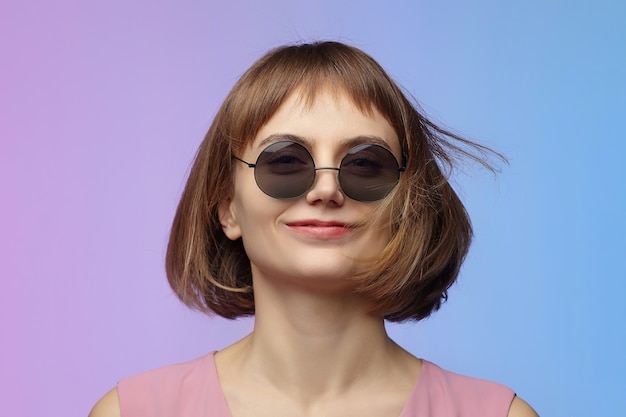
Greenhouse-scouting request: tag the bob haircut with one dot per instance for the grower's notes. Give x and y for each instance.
(430, 228)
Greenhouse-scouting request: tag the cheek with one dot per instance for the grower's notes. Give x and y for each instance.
(243, 191)
(377, 240)
(255, 212)
(378, 236)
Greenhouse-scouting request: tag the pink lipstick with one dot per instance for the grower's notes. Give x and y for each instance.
(317, 229)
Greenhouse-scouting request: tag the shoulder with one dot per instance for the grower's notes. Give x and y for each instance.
(166, 387)
(466, 387)
(172, 374)
(107, 406)
(441, 392)
(520, 408)
(162, 391)
(470, 396)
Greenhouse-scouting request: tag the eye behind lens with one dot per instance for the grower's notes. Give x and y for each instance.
(285, 170)
(368, 173)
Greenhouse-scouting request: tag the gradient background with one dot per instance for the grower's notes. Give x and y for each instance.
(103, 104)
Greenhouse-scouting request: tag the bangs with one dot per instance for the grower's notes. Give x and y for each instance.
(307, 70)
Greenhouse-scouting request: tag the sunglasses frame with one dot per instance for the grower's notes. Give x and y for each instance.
(315, 169)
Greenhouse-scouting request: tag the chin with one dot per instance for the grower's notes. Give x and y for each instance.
(321, 274)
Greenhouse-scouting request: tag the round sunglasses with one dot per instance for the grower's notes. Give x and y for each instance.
(285, 169)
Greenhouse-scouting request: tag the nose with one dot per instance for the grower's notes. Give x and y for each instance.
(326, 188)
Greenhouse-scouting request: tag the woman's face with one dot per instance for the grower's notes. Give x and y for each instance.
(317, 238)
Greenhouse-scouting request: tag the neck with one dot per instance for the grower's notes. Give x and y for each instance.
(313, 343)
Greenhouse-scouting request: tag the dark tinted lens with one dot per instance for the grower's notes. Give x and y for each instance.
(368, 172)
(284, 170)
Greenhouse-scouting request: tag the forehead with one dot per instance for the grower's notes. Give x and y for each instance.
(327, 118)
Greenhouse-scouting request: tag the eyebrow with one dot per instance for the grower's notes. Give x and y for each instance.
(307, 143)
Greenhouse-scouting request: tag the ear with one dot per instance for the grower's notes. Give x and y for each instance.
(228, 219)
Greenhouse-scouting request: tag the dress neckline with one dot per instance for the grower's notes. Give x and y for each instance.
(406, 409)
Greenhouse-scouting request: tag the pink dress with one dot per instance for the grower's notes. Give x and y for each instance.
(192, 389)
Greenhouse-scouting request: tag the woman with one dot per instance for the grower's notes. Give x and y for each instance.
(317, 202)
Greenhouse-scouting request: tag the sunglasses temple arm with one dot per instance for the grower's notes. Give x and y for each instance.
(247, 163)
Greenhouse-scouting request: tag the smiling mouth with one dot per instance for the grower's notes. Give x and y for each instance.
(321, 229)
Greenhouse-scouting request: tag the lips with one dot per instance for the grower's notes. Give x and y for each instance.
(320, 229)
(318, 223)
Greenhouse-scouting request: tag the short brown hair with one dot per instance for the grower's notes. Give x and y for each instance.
(430, 229)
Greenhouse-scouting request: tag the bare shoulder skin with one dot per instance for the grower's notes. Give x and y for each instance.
(107, 406)
(520, 408)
